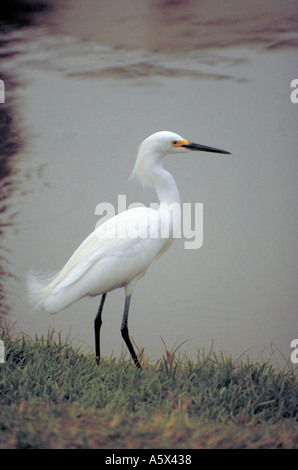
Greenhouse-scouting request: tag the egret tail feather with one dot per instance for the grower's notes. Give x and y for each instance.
(39, 288)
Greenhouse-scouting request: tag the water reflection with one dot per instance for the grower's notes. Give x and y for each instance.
(11, 142)
(95, 78)
(180, 26)
(16, 15)
(22, 13)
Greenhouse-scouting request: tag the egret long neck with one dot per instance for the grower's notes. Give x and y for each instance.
(163, 182)
(148, 169)
(166, 188)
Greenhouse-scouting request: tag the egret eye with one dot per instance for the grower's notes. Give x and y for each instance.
(179, 143)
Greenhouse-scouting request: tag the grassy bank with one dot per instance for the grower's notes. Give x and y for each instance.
(54, 396)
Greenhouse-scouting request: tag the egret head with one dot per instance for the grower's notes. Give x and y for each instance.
(162, 143)
(165, 142)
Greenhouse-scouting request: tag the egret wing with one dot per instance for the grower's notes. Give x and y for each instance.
(111, 239)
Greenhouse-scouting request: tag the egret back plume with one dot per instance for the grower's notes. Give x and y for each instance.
(39, 287)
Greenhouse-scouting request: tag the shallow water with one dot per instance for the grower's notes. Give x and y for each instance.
(89, 86)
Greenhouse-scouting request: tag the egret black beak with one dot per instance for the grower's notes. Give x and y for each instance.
(204, 148)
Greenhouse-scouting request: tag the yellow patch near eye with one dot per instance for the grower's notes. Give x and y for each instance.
(179, 143)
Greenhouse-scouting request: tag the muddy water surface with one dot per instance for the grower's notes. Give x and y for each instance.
(84, 85)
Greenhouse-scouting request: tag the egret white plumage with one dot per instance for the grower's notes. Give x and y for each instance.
(108, 258)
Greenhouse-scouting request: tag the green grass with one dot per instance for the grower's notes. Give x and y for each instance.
(54, 396)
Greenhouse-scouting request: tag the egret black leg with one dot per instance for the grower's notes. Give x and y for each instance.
(97, 326)
(125, 335)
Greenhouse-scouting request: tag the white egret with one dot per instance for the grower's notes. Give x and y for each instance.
(119, 252)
